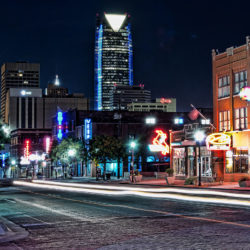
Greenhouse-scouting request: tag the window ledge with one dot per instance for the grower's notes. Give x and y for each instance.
(223, 98)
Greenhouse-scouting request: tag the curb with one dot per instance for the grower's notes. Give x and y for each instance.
(11, 231)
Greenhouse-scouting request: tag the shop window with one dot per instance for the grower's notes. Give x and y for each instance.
(224, 87)
(240, 81)
(237, 162)
(224, 120)
(179, 161)
(240, 118)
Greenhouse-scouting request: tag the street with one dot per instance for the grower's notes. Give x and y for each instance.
(74, 220)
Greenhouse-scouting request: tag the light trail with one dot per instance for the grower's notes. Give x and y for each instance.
(152, 190)
(138, 193)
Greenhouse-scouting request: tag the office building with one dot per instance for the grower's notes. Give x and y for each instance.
(55, 90)
(231, 72)
(113, 58)
(17, 75)
(126, 94)
(160, 104)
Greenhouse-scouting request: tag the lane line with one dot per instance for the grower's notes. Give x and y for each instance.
(145, 210)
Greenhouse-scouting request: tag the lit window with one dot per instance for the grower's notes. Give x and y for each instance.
(240, 81)
(224, 120)
(205, 121)
(150, 120)
(224, 87)
(240, 118)
(178, 121)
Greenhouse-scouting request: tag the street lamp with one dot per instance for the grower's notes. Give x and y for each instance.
(199, 136)
(71, 153)
(132, 146)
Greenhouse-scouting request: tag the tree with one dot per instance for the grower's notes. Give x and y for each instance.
(60, 152)
(120, 153)
(102, 149)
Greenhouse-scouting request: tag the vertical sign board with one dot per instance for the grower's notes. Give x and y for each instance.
(47, 145)
(87, 129)
(27, 149)
(59, 120)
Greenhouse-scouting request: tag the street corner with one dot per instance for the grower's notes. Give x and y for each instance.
(10, 231)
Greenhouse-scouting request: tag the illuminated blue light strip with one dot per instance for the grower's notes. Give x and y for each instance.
(130, 59)
(98, 72)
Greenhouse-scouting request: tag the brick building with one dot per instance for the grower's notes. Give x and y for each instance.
(231, 73)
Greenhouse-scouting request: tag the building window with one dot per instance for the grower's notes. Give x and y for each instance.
(224, 120)
(224, 87)
(240, 81)
(240, 118)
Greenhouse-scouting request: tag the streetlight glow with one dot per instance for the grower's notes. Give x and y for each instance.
(199, 136)
(13, 162)
(132, 144)
(71, 152)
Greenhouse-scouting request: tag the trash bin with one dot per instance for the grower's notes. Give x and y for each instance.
(108, 176)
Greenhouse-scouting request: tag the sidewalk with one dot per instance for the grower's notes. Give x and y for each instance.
(10, 231)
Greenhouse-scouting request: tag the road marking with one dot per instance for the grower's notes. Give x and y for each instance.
(141, 209)
(61, 212)
(35, 219)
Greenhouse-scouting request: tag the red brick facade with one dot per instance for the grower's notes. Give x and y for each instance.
(227, 64)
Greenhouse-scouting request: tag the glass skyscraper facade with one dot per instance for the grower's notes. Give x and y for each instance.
(113, 58)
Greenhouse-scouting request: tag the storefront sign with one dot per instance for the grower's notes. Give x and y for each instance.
(88, 129)
(159, 143)
(218, 141)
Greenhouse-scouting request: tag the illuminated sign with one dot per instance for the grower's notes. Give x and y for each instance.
(27, 148)
(159, 143)
(24, 161)
(47, 145)
(87, 129)
(218, 141)
(24, 92)
(59, 127)
(36, 157)
(164, 100)
(245, 93)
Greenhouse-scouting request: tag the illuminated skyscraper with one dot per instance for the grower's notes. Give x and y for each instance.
(113, 58)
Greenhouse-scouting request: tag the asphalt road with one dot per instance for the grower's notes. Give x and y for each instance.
(69, 220)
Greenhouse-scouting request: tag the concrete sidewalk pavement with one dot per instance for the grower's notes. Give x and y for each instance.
(10, 231)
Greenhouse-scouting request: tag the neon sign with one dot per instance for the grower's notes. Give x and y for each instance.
(245, 93)
(159, 143)
(88, 129)
(218, 141)
(59, 127)
(47, 145)
(27, 149)
(164, 100)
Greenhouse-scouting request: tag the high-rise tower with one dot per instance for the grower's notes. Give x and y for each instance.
(17, 75)
(113, 58)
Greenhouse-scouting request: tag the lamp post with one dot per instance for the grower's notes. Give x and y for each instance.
(199, 137)
(132, 146)
(71, 153)
(13, 167)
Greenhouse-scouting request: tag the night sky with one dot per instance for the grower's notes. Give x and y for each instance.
(172, 41)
